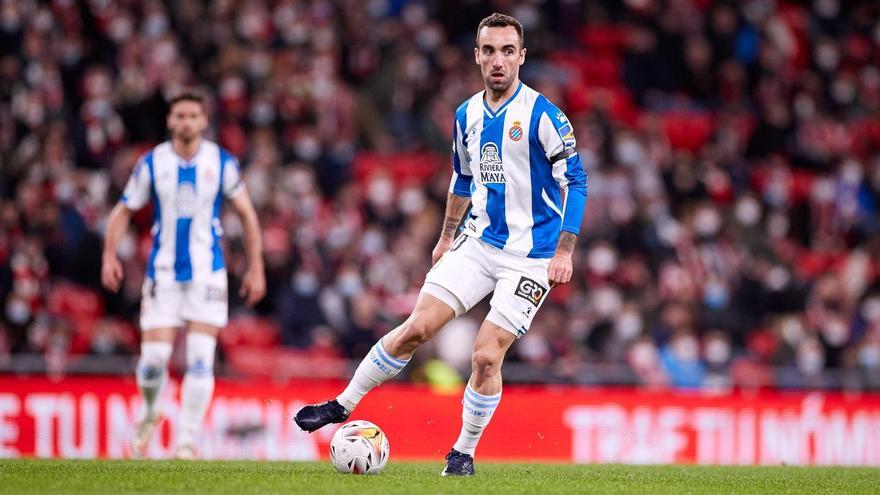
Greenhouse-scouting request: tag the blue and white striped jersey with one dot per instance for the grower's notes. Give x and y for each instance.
(187, 199)
(517, 164)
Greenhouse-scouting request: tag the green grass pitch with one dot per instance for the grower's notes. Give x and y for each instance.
(121, 477)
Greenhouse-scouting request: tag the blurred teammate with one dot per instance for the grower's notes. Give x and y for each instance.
(187, 180)
(515, 163)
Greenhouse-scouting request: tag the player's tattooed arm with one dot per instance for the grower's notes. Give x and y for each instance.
(450, 224)
(456, 206)
(566, 243)
(560, 268)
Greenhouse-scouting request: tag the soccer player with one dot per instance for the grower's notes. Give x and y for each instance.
(186, 179)
(514, 162)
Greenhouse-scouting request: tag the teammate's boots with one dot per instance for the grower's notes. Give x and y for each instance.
(186, 452)
(142, 435)
(458, 464)
(316, 416)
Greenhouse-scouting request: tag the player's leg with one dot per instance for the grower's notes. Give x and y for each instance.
(159, 321)
(482, 394)
(522, 287)
(206, 310)
(384, 361)
(457, 282)
(198, 385)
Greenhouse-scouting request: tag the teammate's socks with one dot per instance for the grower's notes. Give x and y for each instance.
(376, 368)
(152, 371)
(197, 387)
(476, 413)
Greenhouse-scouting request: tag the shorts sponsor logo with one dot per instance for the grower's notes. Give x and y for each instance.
(530, 290)
(215, 294)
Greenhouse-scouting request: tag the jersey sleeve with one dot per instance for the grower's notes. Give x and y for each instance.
(556, 135)
(461, 172)
(137, 190)
(232, 182)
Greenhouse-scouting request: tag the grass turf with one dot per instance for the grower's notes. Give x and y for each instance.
(121, 477)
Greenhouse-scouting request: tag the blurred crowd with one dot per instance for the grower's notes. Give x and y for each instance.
(731, 235)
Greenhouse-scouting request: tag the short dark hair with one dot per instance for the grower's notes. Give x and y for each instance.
(187, 95)
(501, 20)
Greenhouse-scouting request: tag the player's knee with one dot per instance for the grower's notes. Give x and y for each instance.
(485, 362)
(200, 353)
(415, 333)
(153, 362)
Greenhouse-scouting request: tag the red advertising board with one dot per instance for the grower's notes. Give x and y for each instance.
(92, 417)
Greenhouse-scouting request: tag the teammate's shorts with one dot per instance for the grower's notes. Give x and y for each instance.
(172, 304)
(472, 269)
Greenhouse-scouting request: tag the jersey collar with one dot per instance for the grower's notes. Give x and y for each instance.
(503, 105)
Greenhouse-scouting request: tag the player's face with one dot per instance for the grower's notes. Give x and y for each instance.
(499, 55)
(187, 120)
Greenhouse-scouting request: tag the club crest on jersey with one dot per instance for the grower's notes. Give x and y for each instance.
(516, 132)
(530, 290)
(491, 168)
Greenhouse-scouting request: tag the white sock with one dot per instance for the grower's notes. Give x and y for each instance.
(476, 412)
(197, 387)
(377, 368)
(152, 371)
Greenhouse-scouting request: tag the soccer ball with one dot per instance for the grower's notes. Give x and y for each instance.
(359, 447)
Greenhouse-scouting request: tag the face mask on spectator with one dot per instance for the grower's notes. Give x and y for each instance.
(707, 222)
(64, 191)
(155, 25)
(349, 283)
(792, 330)
(804, 106)
(602, 260)
(411, 201)
(869, 355)
(810, 358)
(17, 311)
(717, 351)
(372, 242)
(643, 355)
(851, 172)
(747, 211)
(307, 147)
(262, 113)
(120, 29)
(628, 325)
(305, 283)
(835, 332)
(827, 57)
(870, 309)
(685, 348)
(715, 295)
(628, 152)
(10, 20)
(606, 302)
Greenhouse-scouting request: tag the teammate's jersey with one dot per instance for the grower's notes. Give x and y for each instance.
(187, 199)
(515, 164)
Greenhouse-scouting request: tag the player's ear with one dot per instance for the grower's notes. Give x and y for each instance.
(477, 55)
(522, 56)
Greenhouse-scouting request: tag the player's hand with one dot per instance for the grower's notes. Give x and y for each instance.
(253, 286)
(111, 273)
(440, 249)
(559, 271)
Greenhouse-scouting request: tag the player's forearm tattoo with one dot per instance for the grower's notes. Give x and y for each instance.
(449, 226)
(566, 243)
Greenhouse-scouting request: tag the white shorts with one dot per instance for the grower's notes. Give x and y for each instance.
(172, 304)
(472, 269)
